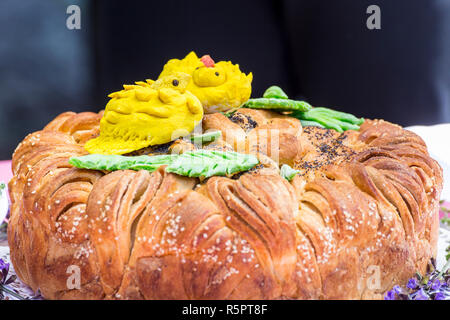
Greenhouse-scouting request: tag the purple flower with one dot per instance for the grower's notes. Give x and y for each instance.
(435, 284)
(439, 296)
(390, 295)
(420, 295)
(394, 293)
(397, 289)
(4, 281)
(412, 283)
(4, 269)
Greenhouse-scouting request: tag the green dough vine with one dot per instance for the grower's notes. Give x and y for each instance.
(276, 99)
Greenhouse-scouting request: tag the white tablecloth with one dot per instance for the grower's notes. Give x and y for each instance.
(437, 139)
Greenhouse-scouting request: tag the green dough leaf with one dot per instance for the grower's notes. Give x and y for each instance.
(287, 172)
(277, 104)
(330, 119)
(207, 163)
(275, 92)
(206, 137)
(115, 162)
(308, 123)
(198, 163)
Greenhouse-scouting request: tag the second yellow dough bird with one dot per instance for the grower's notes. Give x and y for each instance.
(148, 113)
(219, 86)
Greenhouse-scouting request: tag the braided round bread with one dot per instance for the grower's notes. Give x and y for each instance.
(364, 203)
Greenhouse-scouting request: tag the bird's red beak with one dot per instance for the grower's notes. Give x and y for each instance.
(207, 61)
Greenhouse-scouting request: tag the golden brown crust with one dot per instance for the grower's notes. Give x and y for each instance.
(363, 200)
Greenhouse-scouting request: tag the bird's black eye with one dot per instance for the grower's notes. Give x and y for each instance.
(197, 68)
(175, 82)
(217, 74)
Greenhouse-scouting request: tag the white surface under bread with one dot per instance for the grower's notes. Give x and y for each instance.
(437, 138)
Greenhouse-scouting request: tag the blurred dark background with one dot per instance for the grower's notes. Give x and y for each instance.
(318, 50)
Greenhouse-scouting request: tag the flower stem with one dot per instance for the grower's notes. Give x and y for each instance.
(11, 292)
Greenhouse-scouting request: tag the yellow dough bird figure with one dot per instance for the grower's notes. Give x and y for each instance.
(219, 86)
(148, 113)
